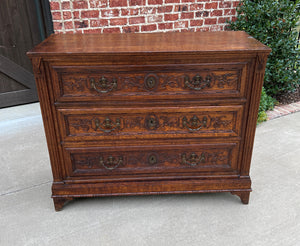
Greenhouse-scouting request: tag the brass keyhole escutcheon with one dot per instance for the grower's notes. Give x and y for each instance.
(151, 82)
(152, 159)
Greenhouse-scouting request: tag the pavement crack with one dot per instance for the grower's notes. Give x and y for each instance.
(26, 188)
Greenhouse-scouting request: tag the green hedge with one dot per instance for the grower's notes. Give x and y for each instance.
(266, 103)
(273, 23)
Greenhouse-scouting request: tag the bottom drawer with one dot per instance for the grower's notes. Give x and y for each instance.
(149, 160)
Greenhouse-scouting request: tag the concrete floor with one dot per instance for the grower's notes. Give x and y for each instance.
(27, 215)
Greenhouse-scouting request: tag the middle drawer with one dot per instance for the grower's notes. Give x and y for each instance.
(150, 122)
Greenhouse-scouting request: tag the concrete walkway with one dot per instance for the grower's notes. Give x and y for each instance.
(27, 215)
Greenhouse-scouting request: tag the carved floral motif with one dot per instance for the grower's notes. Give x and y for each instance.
(149, 82)
(153, 159)
(194, 159)
(151, 122)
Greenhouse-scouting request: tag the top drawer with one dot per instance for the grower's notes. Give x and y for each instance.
(113, 83)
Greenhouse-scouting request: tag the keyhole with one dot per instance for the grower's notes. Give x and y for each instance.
(152, 159)
(151, 122)
(150, 82)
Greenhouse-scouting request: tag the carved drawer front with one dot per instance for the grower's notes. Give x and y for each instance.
(148, 82)
(176, 158)
(158, 122)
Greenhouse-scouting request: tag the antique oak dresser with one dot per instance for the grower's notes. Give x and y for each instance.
(152, 113)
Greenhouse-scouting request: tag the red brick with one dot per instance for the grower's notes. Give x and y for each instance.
(98, 3)
(180, 8)
(148, 10)
(210, 21)
(80, 5)
(118, 3)
(172, 1)
(111, 30)
(126, 12)
(181, 24)
(216, 13)
(164, 9)
(213, 5)
(196, 22)
(99, 23)
(202, 29)
(56, 15)
(202, 14)
(223, 5)
(137, 2)
(196, 6)
(65, 5)
(76, 15)
(134, 11)
(163, 26)
(70, 31)
(155, 2)
(148, 28)
(215, 28)
(187, 1)
(229, 11)
(187, 30)
(81, 24)
(118, 22)
(155, 18)
(98, 30)
(187, 15)
(57, 25)
(68, 25)
(54, 6)
(110, 13)
(67, 15)
(171, 17)
(129, 29)
(222, 20)
(90, 14)
(136, 20)
(235, 4)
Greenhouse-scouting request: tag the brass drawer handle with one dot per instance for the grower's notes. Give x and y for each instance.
(107, 125)
(197, 83)
(103, 85)
(194, 124)
(193, 160)
(111, 162)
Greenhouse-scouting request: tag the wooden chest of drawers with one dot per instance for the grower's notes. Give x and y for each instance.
(159, 113)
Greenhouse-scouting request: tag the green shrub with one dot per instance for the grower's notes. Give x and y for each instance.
(266, 103)
(273, 23)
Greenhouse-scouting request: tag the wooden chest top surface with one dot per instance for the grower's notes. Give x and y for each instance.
(148, 42)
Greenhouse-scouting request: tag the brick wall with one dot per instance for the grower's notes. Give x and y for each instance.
(102, 16)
